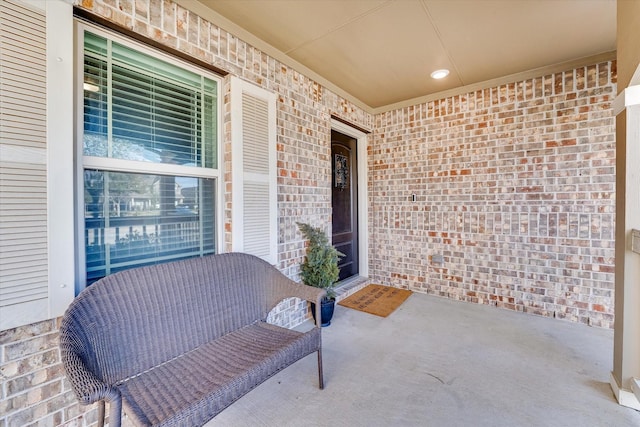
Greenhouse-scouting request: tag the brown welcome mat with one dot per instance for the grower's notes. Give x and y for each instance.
(376, 299)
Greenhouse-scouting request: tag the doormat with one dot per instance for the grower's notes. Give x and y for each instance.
(376, 299)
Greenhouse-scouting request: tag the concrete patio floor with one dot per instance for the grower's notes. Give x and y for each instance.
(436, 362)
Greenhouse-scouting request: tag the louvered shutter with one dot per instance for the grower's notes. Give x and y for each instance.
(23, 170)
(254, 199)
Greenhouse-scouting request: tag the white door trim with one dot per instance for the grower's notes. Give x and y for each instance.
(363, 194)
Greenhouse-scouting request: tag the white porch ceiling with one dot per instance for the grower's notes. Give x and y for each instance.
(382, 51)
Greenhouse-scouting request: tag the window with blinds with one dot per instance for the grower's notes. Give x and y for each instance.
(254, 171)
(23, 169)
(150, 157)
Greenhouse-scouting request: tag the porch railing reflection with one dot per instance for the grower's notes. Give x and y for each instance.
(118, 243)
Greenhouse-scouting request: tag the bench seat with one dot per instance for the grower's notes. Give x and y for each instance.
(193, 388)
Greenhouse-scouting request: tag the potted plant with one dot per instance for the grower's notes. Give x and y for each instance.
(320, 268)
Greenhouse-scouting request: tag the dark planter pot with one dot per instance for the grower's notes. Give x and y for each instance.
(326, 311)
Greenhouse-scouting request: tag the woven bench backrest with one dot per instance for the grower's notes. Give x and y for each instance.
(133, 320)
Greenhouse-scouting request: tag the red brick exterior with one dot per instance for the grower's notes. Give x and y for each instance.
(515, 188)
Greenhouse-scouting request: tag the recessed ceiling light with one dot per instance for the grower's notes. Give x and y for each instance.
(440, 74)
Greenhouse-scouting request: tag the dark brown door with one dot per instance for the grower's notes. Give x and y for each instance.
(344, 199)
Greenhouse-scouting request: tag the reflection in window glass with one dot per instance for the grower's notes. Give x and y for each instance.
(135, 219)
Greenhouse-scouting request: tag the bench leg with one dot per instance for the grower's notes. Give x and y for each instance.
(320, 376)
(115, 413)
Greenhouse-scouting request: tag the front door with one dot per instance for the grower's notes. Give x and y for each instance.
(344, 200)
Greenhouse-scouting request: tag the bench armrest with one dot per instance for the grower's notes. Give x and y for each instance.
(314, 295)
(287, 288)
(89, 389)
(308, 293)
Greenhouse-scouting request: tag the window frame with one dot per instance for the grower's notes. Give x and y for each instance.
(110, 164)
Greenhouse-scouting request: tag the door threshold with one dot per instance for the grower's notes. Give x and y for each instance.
(349, 286)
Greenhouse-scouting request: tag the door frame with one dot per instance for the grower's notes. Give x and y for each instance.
(363, 194)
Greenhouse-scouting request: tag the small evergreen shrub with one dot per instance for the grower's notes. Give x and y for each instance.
(320, 266)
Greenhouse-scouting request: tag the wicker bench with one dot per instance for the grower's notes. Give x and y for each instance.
(177, 343)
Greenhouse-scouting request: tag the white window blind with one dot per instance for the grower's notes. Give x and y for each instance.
(254, 195)
(23, 180)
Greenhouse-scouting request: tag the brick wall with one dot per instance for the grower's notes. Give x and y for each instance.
(33, 389)
(32, 386)
(515, 189)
